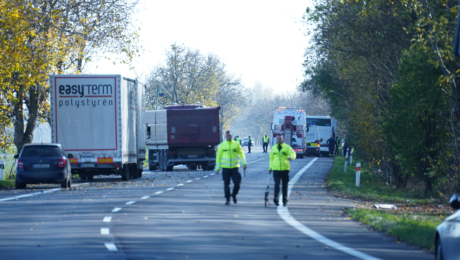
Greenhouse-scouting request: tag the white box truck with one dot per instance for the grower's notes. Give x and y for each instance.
(99, 121)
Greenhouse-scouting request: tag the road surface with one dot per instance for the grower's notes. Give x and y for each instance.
(181, 215)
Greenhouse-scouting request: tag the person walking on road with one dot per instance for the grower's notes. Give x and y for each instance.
(280, 156)
(265, 140)
(227, 160)
(331, 143)
(249, 144)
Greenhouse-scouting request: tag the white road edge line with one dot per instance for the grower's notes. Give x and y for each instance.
(38, 193)
(286, 216)
(158, 192)
(111, 246)
(145, 197)
(179, 185)
(105, 231)
(130, 202)
(170, 189)
(116, 209)
(197, 178)
(107, 219)
(189, 181)
(212, 174)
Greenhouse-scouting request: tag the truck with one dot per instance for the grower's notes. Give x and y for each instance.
(182, 135)
(319, 130)
(99, 121)
(290, 123)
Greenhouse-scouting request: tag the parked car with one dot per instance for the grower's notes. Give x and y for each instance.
(244, 141)
(42, 163)
(447, 238)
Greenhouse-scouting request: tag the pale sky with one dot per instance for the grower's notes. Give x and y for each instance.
(261, 41)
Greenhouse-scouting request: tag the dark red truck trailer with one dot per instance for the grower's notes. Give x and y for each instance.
(182, 134)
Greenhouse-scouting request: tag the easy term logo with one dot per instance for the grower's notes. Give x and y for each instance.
(87, 95)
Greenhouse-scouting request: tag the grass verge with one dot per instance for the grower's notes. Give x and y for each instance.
(372, 187)
(6, 184)
(415, 229)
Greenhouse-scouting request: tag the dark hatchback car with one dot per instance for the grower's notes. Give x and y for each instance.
(42, 163)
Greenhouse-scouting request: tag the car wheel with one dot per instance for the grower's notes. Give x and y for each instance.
(65, 184)
(438, 248)
(20, 185)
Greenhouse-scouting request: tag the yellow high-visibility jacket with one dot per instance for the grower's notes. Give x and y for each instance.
(227, 155)
(279, 159)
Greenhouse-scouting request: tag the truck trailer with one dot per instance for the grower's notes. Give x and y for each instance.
(182, 134)
(99, 121)
(290, 123)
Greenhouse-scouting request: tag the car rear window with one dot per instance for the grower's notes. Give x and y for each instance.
(41, 151)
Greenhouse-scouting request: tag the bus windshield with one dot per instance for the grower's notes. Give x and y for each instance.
(318, 122)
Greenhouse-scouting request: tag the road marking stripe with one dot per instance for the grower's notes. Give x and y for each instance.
(212, 174)
(286, 216)
(38, 193)
(145, 197)
(105, 231)
(179, 185)
(111, 246)
(170, 189)
(197, 178)
(107, 219)
(158, 192)
(206, 176)
(116, 209)
(189, 181)
(130, 202)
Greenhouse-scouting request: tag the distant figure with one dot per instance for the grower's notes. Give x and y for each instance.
(265, 142)
(238, 139)
(344, 148)
(337, 146)
(227, 159)
(331, 143)
(280, 156)
(249, 144)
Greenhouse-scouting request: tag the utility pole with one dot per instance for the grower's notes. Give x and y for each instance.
(156, 107)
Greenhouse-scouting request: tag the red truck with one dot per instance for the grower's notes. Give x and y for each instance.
(182, 134)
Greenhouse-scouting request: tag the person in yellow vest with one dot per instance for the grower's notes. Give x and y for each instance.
(280, 156)
(265, 142)
(227, 160)
(238, 139)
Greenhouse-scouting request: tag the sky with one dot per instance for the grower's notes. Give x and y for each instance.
(260, 41)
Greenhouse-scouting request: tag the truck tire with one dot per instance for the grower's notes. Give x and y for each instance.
(152, 168)
(169, 168)
(193, 167)
(65, 184)
(20, 185)
(125, 173)
(139, 173)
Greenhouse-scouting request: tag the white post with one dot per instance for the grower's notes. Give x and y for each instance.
(346, 162)
(351, 157)
(358, 172)
(2, 169)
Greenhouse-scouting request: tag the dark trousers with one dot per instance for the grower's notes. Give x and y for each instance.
(265, 147)
(235, 175)
(249, 148)
(284, 177)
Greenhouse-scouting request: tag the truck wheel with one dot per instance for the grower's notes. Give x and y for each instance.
(193, 167)
(152, 168)
(91, 177)
(65, 184)
(139, 173)
(125, 173)
(170, 168)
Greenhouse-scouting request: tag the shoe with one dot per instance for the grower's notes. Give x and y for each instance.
(234, 199)
(228, 202)
(276, 203)
(284, 204)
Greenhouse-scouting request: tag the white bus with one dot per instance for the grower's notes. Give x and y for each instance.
(319, 130)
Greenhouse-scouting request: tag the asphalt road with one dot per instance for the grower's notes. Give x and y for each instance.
(181, 215)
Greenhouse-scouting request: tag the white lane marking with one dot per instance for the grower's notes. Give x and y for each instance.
(179, 185)
(107, 219)
(189, 181)
(38, 193)
(105, 231)
(116, 209)
(212, 174)
(206, 176)
(145, 197)
(286, 216)
(111, 246)
(130, 202)
(158, 192)
(197, 178)
(170, 189)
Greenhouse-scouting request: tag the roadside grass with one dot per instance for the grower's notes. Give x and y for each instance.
(416, 229)
(7, 184)
(372, 187)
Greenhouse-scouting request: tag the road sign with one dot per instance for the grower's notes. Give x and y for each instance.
(161, 94)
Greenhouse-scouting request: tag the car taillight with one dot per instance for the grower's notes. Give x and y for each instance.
(20, 164)
(61, 163)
